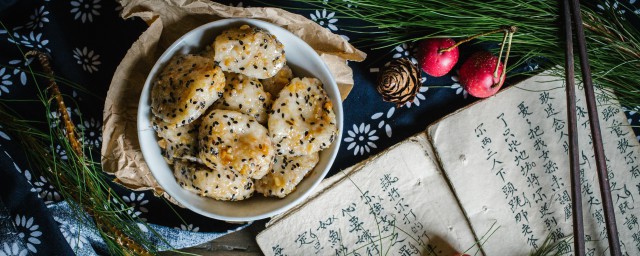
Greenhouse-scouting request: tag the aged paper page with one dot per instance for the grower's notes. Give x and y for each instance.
(507, 160)
(398, 203)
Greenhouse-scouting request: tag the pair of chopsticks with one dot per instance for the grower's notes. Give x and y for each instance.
(572, 10)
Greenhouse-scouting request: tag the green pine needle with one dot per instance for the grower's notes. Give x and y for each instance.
(613, 43)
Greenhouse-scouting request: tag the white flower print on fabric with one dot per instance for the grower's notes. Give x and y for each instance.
(38, 18)
(12, 250)
(134, 206)
(33, 40)
(5, 81)
(138, 202)
(384, 120)
(61, 152)
(632, 111)
(3, 135)
(457, 87)
(87, 59)
(91, 132)
(20, 67)
(361, 138)
(420, 96)
(85, 9)
(613, 6)
(325, 19)
(26, 174)
(189, 227)
(72, 234)
(405, 51)
(28, 231)
(46, 191)
(55, 116)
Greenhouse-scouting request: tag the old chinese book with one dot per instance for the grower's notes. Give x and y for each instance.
(492, 179)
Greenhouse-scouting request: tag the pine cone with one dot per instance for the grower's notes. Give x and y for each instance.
(399, 82)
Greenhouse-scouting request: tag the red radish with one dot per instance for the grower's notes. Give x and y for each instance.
(477, 75)
(434, 62)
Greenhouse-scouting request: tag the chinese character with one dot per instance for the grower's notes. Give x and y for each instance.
(624, 206)
(567, 211)
(564, 248)
(564, 198)
(277, 250)
(539, 144)
(535, 132)
(395, 240)
(623, 145)
(555, 182)
(585, 159)
(616, 127)
(599, 217)
(550, 110)
(550, 167)
(524, 169)
(522, 215)
(523, 110)
(417, 227)
(558, 124)
(480, 130)
(508, 190)
(526, 229)
(635, 172)
(302, 239)
(365, 237)
(513, 145)
(624, 189)
(349, 210)
(408, 249)
(593, 201)
(400, 206)
(580, 112)
(631, 221)
(393, 194)
(551, 222)
(544, 155)
(325, 224)
(366, 197)
(630, 158)
(538, 196)
(386, 181)
(544, 210)
(522, 155)
(407, 215)
(355, 224)
(334, 238)
(490, 154)
(609, 112)
(501, 117)
(544, 97)
(532, 242)
(376, 209)
(636, 238)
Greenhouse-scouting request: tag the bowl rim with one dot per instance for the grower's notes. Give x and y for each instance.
(143, 119)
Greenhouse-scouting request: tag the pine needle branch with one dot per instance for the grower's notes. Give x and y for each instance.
(614, 43)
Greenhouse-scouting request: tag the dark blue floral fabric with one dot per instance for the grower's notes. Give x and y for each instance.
(87, 39)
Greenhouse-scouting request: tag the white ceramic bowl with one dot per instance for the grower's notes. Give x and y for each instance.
(303, 60)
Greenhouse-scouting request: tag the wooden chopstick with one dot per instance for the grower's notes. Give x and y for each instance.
(574, 151)
(605, 190)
